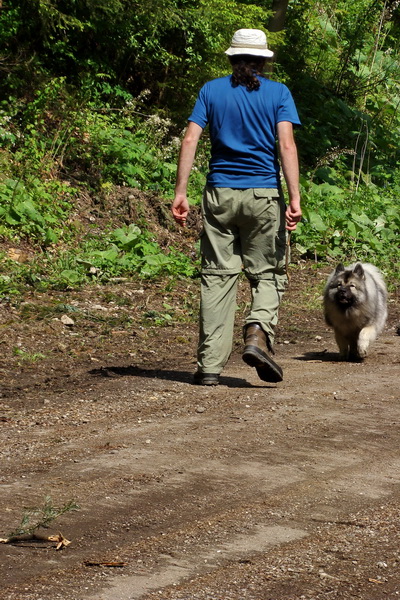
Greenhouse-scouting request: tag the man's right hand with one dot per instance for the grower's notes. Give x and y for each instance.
(180, 209)
(180, 206)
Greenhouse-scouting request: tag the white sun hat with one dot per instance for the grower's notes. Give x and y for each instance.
(249, 41)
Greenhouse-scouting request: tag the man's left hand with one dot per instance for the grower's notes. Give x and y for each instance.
(292, 216)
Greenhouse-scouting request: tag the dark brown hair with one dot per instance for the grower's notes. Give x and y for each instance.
(245, 69)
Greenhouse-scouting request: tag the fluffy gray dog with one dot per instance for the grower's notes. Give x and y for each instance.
(355, 305)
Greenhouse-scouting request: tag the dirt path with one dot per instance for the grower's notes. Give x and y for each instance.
(244, 491)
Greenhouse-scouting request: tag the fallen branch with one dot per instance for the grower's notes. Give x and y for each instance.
(96, 563)
(62, 542)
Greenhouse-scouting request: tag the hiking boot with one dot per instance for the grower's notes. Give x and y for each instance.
(205, 378)
(256, 354)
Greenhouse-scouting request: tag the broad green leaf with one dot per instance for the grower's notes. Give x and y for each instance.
(70, 276)
(317, 222)
(362, 219)
(109, 255)
(351, 228)
(50, 237)
(28, 208)
(157, 260)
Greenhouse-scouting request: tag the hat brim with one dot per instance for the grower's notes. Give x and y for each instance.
(249, 51)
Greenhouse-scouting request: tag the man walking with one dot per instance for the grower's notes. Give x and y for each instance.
(244, 214)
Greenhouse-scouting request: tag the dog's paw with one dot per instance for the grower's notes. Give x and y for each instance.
(362, 349)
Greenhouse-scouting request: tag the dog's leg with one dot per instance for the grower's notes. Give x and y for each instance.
(354, 354)
(343, 345)
(367, 335)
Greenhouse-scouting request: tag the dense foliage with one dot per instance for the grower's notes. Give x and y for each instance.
(96, 94)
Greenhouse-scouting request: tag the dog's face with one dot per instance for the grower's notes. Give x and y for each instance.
(347, 287)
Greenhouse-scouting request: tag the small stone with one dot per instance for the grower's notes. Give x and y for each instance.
(200, 409)
(98, 307)
(66, 320)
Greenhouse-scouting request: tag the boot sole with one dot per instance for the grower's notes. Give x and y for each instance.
(266, 368)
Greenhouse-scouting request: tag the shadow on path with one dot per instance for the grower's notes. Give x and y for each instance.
(168, 375)
(319, 357)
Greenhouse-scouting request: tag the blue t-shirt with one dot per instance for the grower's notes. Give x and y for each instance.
(243, 131)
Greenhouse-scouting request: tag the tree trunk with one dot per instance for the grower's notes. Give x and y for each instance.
(277, 21)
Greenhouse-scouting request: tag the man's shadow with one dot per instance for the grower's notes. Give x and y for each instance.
(168, 375)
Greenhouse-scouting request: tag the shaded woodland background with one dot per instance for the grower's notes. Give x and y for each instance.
(94, 99)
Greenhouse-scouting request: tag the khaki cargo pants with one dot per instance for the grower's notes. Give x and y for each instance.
(242, 230)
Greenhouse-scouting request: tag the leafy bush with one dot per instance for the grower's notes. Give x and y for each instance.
(34, 209)
(103, 100)
(349, 226)
(129, 160)
(127, 251)
(130, 250)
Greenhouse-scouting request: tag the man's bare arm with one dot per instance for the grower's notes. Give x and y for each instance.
(290, 168)
(180, 205)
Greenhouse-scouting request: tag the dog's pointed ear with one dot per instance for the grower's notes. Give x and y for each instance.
(339, 269)
(358, 270)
